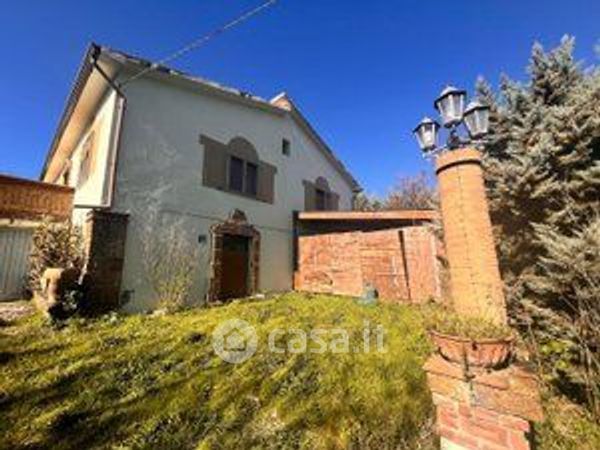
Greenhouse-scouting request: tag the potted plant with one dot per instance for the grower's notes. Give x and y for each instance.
(475, 342)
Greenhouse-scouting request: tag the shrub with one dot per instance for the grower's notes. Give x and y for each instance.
(170, 265)
(448, 322)
(55, 244)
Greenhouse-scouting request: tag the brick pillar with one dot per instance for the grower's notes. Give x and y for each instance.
(481, 409)
(476, 408)
(104, 233)
(474, 275)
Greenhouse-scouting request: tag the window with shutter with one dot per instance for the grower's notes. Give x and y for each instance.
(236, 174)
(320, 200)
(251, 179)
(236, 168)
(319, 197)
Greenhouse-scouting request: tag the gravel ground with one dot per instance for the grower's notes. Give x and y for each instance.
(11, 311)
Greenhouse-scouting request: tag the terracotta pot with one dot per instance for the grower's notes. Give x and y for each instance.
(487, 353)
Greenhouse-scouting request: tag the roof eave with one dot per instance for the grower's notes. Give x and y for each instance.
(85, 69)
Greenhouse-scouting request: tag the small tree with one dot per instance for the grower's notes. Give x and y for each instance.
(171, 264)
(55, 244)
(410, 192)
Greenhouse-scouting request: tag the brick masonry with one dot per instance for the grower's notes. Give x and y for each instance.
(401, 263)
(478, 409)
(33, 200)
(104, 235)
(474, 274)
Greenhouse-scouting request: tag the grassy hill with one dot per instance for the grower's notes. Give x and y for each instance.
(155, 381)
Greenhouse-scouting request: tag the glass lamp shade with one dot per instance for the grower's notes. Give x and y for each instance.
(450, 105)
(477, 119)
(426, 133)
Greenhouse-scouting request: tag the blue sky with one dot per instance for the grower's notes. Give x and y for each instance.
(363, 72)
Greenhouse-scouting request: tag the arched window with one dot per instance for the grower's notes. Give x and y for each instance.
(236, 168)
(318, 196)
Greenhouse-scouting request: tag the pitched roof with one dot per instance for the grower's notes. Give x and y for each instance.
(281, 104)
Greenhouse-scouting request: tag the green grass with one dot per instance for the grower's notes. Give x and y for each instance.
(155, 382)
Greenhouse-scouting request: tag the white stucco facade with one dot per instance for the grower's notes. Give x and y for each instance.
(159, 180)
(149, 162)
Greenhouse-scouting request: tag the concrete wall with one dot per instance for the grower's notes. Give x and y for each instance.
(159, 181)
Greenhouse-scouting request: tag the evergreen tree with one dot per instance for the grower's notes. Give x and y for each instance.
(543, 176)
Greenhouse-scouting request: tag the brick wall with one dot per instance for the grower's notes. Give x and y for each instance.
(104, 234)
(400, 263)
(32, 200)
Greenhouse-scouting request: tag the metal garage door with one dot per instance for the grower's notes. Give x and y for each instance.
(15, 244)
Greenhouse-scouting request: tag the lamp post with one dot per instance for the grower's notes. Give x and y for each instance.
(451, 106)
(474, 275)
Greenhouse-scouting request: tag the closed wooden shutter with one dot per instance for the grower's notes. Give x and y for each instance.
(266, 182)
(310, 202)
(214, 173)
(333, 201)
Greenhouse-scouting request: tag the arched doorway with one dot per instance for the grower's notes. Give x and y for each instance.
(235, 258)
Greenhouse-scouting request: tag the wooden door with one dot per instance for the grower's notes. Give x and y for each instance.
(235, 265)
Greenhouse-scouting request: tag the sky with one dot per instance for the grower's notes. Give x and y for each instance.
(363, 72)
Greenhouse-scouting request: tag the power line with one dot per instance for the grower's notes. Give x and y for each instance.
(201, 41)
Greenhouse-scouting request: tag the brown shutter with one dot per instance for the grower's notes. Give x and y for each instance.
(310, 202)
(266, 182)
(334, 201)
(214, 173)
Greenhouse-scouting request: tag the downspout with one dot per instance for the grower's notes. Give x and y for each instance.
(116, 137)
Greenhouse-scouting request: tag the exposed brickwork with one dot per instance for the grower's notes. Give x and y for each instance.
(32, 200)
(477, 409)
(421, 251)
(382, 263)
(330, 263)
(104, 234)
(475, 277)
(400, 263)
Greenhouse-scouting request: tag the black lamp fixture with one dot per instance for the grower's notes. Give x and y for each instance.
(451, 107)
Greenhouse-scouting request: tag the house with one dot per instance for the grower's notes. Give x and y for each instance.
(172, 156)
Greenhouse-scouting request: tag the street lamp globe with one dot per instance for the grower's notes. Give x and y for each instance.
(477, 119)
(450, 105)
(426, 133)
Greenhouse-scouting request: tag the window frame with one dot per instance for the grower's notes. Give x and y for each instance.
(245, 187)
(321, 195)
